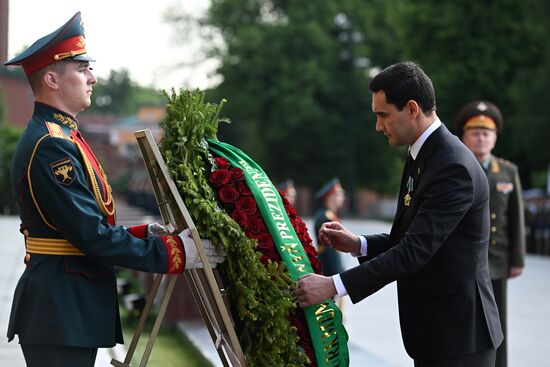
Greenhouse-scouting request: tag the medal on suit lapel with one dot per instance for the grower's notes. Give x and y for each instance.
(410, 187)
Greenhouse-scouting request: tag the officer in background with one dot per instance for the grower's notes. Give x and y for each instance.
(289, 190)
(65, 303)
(331, 198)
(478, 124)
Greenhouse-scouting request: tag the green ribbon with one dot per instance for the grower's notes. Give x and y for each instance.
(324, 320)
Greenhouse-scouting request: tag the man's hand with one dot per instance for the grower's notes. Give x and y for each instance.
(313, 289)
(335, 235)
(192, 259)
(515, 271)
(156, 229)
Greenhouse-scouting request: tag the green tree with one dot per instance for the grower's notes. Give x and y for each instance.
(494, 50)
(8, 140)
(527, 121)
(296, 106)
(120, 95)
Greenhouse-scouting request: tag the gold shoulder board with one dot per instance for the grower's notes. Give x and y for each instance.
(55, 130)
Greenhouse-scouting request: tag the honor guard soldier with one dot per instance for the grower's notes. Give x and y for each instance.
(65, 303)
(331, 198)
(478, 124)
(289, 191)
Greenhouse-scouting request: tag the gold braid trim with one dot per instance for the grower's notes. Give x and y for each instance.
(66, 120)
(103, 205)
(176, 254)
(30, 183)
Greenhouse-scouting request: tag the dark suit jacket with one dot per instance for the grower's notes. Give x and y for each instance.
(437, 253)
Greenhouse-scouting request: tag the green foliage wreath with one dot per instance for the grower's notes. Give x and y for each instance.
(260, 296)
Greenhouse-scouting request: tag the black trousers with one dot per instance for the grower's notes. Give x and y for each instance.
(58, 356)
(485, 358)
(500, 292)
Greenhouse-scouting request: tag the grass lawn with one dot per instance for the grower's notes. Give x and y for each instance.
(171, 349)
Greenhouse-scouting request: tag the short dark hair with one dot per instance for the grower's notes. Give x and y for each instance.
(35, 79)
(403, 82)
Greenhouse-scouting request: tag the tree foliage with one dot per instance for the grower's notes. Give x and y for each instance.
(494, 50)
(303, 112)
(8, 140)
(296, 106)
(120, 95)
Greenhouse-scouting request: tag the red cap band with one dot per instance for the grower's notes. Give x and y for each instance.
(65, 49)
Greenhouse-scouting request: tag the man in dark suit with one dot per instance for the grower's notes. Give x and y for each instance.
(478, 124)
(437, 247)
(65, 304)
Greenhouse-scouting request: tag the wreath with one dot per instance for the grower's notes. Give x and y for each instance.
(233, 203)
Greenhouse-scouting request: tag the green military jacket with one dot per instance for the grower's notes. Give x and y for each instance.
(507, 242)
(67, 294)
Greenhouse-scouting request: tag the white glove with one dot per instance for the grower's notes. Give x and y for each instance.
(156, 229)
(192, 259)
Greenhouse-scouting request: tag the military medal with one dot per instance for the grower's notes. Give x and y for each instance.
(410, 186)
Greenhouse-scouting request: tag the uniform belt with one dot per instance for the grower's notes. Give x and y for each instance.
(51, 246)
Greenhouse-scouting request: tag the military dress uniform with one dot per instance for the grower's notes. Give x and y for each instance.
(329, 257)
(507, 231)
(67, 295)
(507, 241)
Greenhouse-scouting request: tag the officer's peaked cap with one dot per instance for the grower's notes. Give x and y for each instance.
(478, 114)
(66, 43)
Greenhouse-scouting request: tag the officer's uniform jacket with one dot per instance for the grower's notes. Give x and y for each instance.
(67, 294)
(507, 242)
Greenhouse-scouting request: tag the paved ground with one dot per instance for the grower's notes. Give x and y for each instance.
(373, 326)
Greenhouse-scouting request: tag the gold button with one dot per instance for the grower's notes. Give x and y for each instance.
(26, 232)
(493, 229)
(493, 215)
(27, 257)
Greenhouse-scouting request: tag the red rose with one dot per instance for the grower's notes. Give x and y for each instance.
(265, 241)
(240, 217)
(247, 204)
(228, 194)
(304, 237)
(316, 265)
(237, 174)
(310, 250)
(244, 189)
(299, 224)
(219, 177)
(256, 224)
(252, 235)
(265, 259)
(286, 203)
(291, 212)
(221, 162)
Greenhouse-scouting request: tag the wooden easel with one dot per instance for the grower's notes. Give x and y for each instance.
(204, 286)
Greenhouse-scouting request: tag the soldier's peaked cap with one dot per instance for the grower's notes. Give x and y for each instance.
(328, 188)
(66, 43)
(478, 114)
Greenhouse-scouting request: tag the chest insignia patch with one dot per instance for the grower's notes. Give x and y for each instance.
(63, 171)
(505, 187)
